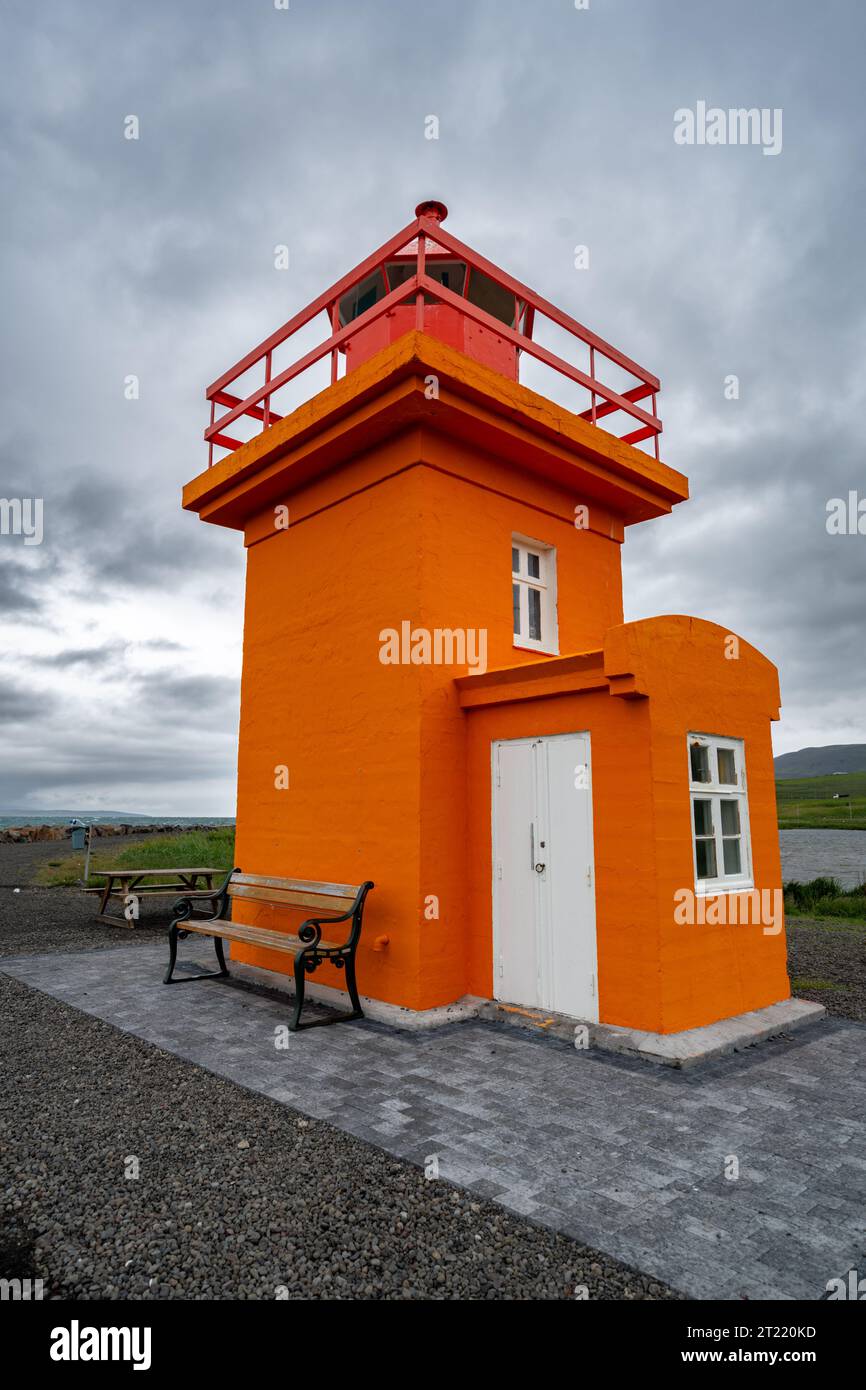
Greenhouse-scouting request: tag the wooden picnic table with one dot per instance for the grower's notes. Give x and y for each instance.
(134, 883)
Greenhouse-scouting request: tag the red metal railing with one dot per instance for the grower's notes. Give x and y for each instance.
(604, 400)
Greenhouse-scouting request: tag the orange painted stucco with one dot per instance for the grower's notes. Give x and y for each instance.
(402, 509)
(674, 677)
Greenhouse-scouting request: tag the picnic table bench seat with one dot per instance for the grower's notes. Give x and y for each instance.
(206, 914)
(126, 884)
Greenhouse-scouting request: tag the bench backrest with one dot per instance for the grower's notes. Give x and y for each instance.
(294, 892)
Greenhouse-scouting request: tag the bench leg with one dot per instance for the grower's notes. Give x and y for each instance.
(300, 982)
(352, 986)
(220, 974)
(218, 946)
(172, 955)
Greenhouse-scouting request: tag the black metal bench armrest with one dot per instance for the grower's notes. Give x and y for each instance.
(184, 907)
(310, 932)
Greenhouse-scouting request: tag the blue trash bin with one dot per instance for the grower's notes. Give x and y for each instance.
(78, 834)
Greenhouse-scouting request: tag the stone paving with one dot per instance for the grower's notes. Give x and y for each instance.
(623, 1155)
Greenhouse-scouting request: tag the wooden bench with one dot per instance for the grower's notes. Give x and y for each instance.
(339, 902)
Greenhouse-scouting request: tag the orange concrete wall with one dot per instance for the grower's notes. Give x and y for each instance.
(466, 583)
(623, 824)
(376, 753)
(315, 697)
(703, 679)
(654, 974)
(390, 777)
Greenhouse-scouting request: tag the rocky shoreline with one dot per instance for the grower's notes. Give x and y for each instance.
(29, 834)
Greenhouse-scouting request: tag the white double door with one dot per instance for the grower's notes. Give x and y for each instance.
(544, 942)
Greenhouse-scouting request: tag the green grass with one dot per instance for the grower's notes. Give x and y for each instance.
(808, 802)
(210, 849)
(825, 898)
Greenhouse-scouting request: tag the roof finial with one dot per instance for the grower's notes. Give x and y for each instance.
(431, 207)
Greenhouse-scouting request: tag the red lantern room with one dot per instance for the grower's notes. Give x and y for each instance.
(442, 319)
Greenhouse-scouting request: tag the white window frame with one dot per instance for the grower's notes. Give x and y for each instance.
(545, 584)
(716, 792)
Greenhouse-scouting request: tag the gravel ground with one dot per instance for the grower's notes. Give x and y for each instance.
(35, 920)
(238, 1196)
(827, 962)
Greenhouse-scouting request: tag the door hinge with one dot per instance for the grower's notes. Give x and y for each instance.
(501, 972)
(499, 868)
(589, 876)
(592, 985)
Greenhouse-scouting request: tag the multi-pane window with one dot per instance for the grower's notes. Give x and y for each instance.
(720, 812)
(533, 597)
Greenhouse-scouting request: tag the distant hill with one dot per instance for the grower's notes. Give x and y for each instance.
(821, 762)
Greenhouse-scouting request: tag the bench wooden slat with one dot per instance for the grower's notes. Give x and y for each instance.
(302, 885)
(290, 897)
(254, 936)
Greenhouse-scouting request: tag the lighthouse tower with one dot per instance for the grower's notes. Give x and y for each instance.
(560, 811)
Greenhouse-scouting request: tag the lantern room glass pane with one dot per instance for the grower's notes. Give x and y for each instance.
(492, 298)
(361, 297)
(451, 274)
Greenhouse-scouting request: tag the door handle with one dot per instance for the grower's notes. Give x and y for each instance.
(539, 868)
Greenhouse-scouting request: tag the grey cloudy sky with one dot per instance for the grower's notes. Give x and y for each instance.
(121, 631)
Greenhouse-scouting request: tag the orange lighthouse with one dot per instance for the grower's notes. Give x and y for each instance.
(560, 810)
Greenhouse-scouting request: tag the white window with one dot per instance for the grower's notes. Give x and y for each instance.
(533, 594)
(720, 813)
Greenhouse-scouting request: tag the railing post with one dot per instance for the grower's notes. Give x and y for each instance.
(656, 435)
(335, 324)
(210, 441)
(419, 298)
(266, 412)
(592, 378)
